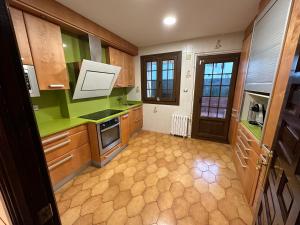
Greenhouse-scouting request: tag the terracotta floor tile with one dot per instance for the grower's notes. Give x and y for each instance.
(158, 179)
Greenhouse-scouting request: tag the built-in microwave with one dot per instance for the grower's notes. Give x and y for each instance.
(31, 81)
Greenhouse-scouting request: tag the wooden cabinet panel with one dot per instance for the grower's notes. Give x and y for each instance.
(126, 77)
(135, 119)
(47, 52)
(21, 35)
(124, 129)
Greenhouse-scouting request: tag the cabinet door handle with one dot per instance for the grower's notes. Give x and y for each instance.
(125, 116)
(244, 157)
(54, 138)
(52, 148)
(234, 110)
(245, 137)
(243, 145)
(52, 167)
(238, 156)
(56, 85)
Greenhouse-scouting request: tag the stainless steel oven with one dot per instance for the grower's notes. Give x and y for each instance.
(108, 134)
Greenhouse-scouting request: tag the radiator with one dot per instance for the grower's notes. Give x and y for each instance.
(179, 125)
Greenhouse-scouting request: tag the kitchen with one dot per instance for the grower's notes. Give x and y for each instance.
(139, 135)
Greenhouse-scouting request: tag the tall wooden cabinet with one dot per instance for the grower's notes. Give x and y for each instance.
(126, 77)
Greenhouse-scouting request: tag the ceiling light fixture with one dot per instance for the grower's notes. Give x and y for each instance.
(170, 20)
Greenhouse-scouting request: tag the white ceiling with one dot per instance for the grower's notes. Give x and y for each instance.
(140, 21)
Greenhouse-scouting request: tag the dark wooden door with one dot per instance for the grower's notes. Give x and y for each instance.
(214, 88)
(280, 200)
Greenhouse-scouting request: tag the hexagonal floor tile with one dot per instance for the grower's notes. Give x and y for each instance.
(191, 195)
(150, 213)
(209, 202)
(217, 218)
(166, 217)
(135, 206)
(103, 212)
(110, 193)
(217, 191)
(151, 194)
(201, 185)
(180, 207)
(122, 199)
(199, 213)
(163, 184)
(177, 189)
(165, 200)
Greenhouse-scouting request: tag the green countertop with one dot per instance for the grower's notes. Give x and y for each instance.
(60, 124)
(254, 129)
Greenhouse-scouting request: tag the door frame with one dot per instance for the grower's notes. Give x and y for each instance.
(199, 83)
(24, 179)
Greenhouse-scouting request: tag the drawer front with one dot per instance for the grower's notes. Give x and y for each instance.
(69, 163)
(63, 146)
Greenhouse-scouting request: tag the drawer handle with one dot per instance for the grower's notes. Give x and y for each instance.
(52, 148)
(56, 85)
(245, 157)
(125, 116)
(52, 167)
(238, 156)
(243, 145)
(57, 137)
(267, 150)
(245, 137)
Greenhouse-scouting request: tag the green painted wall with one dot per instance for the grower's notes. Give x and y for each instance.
(57, 104)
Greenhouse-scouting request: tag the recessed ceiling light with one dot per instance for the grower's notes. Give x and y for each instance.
(169, 20)
(65, 45)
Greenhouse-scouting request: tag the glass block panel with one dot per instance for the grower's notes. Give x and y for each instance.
(226, 79)
(218, 68)
(213, 112)
(223, 102)
(151, 93)
(170, 74)
(165, 65)
(154, 75)
(148, 66)
(224, 91)
(206, 91)
(149, 75)
(207, 79)
(216, 80)
(208, 68)
(154, 66)
(205, 101)
(165, 84)
(228, 66)
(165, 74)
(214, 102)
(170, 84)
(215, 91)
(204, 111)
(171, 65)
(221, 113)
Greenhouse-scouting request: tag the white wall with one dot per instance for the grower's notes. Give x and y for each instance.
(158, 117)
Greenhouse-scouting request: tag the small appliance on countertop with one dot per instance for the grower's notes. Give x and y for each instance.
(256, 114)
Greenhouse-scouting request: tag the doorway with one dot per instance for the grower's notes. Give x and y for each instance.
(213, 97)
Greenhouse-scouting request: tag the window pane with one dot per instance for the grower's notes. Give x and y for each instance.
(165, 65)
(165, 75)
(154, 75)
(226, 79)
(149, 75)
(228, 67)
(151, 84)
(206, 91)
(205, 101)
(171, 64)
(221, 113)
(165, 84)
(148, 66)
(154, 66)
(170, 74)
(213, 112)
(216, 80)
(218, 68)
(208, 69)
(170, 84)
(223, 102)
(224, 91)
(204, 111)
(167, 93)
(151, 93)
(214, 101)
(215, 91)
(207, 79)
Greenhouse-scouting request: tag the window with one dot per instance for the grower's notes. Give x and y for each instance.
(161, 78)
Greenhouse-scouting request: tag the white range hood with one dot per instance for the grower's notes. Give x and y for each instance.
(95, 79)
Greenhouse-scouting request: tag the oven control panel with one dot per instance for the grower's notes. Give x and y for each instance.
(109, 123)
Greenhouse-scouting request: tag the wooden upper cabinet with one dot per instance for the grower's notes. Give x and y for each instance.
(125, 61)
(21, 35)
(47, 51)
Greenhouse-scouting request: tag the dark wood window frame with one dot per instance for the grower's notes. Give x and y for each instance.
(159, 58)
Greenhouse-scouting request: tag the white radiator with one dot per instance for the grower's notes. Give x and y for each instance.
(180, 125)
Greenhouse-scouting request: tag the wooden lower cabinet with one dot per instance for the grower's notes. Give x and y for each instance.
(135, 119)
(67, 153)
(246, 153)
(124, 129)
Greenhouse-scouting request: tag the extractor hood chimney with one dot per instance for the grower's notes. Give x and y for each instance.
(95, 48)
